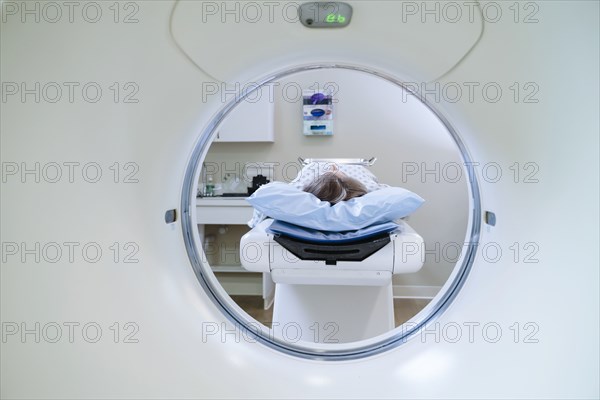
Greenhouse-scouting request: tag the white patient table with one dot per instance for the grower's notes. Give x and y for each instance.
(324, 298)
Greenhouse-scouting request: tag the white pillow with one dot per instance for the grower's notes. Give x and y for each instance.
(283, 202)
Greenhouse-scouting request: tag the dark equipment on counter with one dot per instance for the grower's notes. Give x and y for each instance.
(257, 182)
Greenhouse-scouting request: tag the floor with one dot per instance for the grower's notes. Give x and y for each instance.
(404, 309)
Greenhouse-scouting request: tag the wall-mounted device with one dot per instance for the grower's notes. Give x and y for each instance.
(330, 14)
(317, 107)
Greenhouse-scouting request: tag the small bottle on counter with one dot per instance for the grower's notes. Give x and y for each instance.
(209, 187)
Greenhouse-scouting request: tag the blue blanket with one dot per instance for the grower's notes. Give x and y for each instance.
(315, 236)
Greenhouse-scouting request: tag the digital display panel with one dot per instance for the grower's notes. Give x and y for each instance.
(332, 14)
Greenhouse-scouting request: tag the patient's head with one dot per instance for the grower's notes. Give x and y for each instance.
(335, 187)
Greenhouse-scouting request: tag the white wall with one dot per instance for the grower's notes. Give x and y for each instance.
(372, 118)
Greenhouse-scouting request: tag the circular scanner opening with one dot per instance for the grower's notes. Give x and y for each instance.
(375, 115)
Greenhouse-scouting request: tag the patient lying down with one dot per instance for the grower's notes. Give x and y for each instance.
(332, 200)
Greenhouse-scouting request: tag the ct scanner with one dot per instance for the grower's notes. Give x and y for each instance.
(108, 110)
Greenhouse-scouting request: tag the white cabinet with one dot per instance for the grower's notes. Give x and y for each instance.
(251, 120)
(223, 220)
(223, 210)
